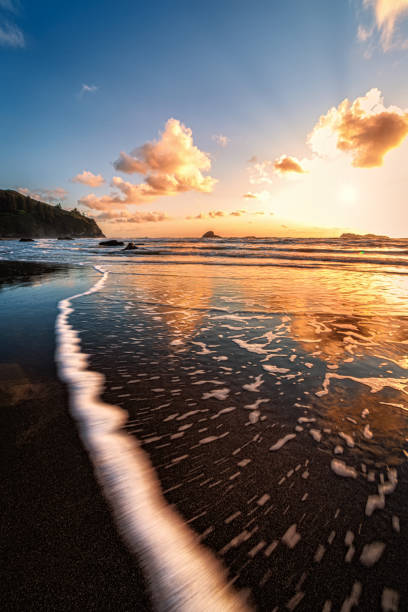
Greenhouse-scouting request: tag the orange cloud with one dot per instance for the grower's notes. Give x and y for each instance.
(88, 178)
(137, 217)
(387, 13)
(171, 165)
(214, 214)
(258, 195)
(46, 195)
(365, 129)
(286, 163)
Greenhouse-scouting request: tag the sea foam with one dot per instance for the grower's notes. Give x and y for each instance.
(181, 573)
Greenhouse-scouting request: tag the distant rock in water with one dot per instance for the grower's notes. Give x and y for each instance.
(130, 246)
(24, 217)
(26, 240)
(210, 234)
(350, 236)
(109, 243)
(65, 238)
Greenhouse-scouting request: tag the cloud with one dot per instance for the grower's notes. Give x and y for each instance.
(363, 34)
(216, 214)
(221, 139)
(387, 13)
(171, 165)
(47, 195)
(260, 171)
(286, 163)
(11, 35)
(88, 178)
(87, 89)
(258, 195)
(365, 128)
(136, 217)
(10, 5)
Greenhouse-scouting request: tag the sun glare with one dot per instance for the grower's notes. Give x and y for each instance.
(347, 194)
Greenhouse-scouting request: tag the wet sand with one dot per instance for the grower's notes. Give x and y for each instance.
(275, 421)
(60, 549)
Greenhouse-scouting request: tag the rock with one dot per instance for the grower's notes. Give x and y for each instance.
(26, 240)
(210, 234)
(130, 246)
(109, 243)
(349, 236)
(64, 238)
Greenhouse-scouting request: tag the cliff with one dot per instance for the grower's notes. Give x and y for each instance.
(21, 216)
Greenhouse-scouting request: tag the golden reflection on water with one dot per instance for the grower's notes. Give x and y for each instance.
(349, 323)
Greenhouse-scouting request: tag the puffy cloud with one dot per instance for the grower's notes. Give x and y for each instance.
(136, 217)
(364, 128)
(171, 165)
(286, 163)
(11, 35)
(46, 195)
(88, 178)
(387, 13)
(221, 139)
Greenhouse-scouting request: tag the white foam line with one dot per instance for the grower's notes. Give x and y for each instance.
(182, 574)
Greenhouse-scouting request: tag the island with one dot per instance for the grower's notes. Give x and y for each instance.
(24, 217)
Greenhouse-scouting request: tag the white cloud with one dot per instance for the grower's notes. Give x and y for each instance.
(87, 89)
(221, 139)
(11, 36)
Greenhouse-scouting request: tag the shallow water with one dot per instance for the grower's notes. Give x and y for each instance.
(271, 396)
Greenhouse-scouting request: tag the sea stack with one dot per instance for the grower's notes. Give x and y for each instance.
(210, 234)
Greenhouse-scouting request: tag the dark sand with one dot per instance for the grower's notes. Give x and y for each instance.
(60, 548)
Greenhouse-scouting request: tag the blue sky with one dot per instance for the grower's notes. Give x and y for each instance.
(260, 73)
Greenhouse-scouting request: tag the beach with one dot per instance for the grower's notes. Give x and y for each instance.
(244, 410)
(61, 550)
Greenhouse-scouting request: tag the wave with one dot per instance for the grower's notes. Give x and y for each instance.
(182, 574)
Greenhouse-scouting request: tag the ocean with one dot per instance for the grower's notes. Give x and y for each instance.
(245, 406)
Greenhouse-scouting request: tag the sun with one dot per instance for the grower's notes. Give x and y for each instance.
(347, 194)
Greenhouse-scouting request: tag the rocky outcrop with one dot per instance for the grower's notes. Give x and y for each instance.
(130, 247)
(210, 234)
(350, 236)
(111, 243)
(24, 217)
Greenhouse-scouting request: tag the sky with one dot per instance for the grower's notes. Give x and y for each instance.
(173, 118)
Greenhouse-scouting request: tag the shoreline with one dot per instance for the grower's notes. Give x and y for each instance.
(61, 548)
